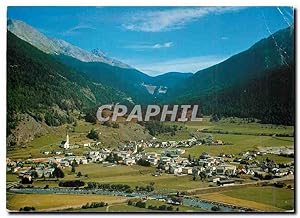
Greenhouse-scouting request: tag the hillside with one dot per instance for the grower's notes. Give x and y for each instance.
(124, 79)
(258, 82)
(142, 88)
(270, 98)
(46, 89)
(130, 81)
(264, 56)
(216, 88)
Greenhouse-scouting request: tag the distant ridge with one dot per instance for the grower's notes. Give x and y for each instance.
(57, 46)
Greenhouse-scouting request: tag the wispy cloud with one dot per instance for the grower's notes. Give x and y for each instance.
(144, 46)
(189, 64)
(77, 29)
(170, 19)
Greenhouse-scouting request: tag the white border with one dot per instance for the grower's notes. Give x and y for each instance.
(3, 8)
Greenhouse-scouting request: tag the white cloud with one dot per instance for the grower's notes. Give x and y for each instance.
(190, 64)
(77, 28)
(169, 19)
(144, 46)
(164, 45)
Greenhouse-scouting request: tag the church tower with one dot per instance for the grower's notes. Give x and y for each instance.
(67, 143)
(68, 139)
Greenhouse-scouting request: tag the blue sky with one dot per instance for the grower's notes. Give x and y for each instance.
(159, 39)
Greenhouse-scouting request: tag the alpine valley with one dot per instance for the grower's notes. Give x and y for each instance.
(260, 79)
(237, 156)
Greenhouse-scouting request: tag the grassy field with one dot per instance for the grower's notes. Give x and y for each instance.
(239, 143)
(11, 177)
(277, 197)
(112, 208)
(259, 198)
(276, 158)
(238, 139)
(131, 175)
(56, 201)
(236, 143)
(237, 125)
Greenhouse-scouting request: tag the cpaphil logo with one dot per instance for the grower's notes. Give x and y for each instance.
(176, 113)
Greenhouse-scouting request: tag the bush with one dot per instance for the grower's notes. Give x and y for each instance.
(93, 134)
(91, 117)
(115, 125)
(26, 209)
(143, 162)
(162, 207)
(279, 184)
(109, 187)
(94, 205)
(71, 183)
(170, 208)
(140, 204)
(26, 180)
(58, 173)
(156, 127)
(215, 208)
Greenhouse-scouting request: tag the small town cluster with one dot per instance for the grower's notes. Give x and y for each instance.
(220, 170)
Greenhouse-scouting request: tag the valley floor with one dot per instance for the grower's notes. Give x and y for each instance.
(238, 137)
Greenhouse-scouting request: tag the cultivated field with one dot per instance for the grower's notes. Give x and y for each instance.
(51, 202)
(260, 198)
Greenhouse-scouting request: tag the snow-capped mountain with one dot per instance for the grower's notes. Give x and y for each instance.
(58, 46)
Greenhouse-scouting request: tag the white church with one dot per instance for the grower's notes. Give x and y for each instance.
(65, 144)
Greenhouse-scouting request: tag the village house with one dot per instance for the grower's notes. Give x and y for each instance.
(226, 170)
(64, 163)
(129, 161)
(217, 142)
(174, 169)
(187, 170)
(81, 160)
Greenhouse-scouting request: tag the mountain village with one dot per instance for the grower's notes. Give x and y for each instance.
(221, 170)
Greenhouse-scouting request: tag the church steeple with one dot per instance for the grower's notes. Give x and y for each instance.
(67, 138)
(67, 142)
